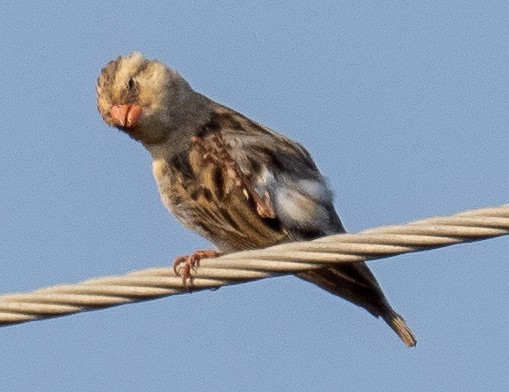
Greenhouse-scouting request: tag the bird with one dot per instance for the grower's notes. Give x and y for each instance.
(232, 180)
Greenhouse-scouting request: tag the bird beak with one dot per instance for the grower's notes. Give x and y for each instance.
(125, 116)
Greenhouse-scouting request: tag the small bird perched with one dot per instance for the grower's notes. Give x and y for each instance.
(232, 180)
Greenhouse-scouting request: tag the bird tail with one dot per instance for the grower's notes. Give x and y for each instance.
(357, 284)
(398, 325)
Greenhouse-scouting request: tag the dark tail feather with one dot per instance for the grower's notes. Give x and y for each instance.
(357, 284)
(398, 325)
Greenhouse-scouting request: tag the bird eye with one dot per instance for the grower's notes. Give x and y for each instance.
(130, 83)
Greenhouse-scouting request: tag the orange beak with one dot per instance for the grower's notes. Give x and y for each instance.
(125, 116)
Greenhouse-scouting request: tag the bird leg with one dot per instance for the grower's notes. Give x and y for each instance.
(183, 265)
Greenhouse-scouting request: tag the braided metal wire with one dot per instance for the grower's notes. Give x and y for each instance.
(234, 268)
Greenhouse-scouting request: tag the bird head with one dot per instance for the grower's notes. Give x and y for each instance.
(143, 98)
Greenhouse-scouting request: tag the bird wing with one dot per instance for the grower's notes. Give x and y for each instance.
(279, 175)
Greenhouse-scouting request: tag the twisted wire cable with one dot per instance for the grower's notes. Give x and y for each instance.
(239, 267)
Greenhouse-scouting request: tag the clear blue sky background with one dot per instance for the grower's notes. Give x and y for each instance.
(405, 109)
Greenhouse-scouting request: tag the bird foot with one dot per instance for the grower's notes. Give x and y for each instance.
(183, 265)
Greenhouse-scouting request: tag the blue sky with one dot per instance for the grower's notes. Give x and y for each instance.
(403, 106)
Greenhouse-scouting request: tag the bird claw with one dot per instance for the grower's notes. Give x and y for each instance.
(184, 265)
